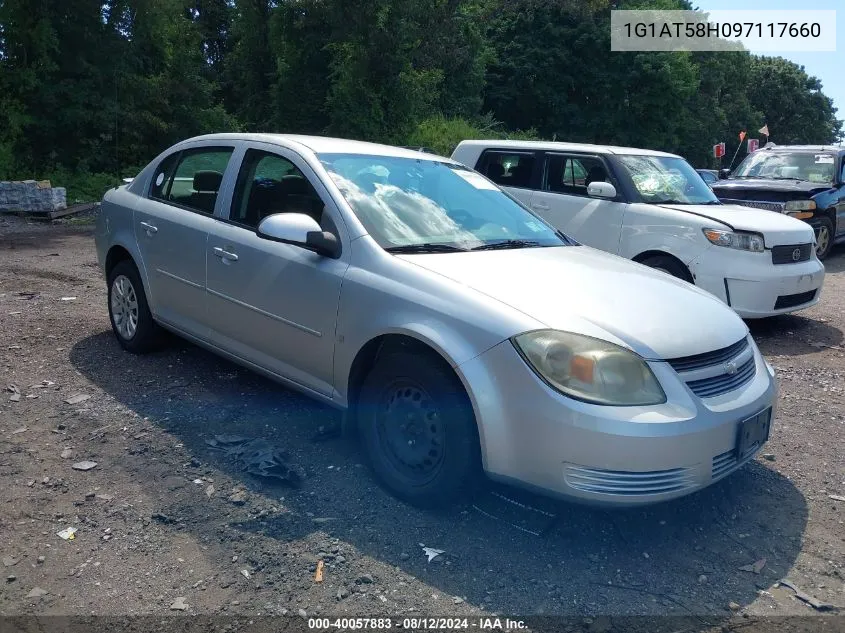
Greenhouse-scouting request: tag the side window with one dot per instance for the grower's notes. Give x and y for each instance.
(195, 181)
(163, 176)
(509, 169)
(269, 184)
(573, 174)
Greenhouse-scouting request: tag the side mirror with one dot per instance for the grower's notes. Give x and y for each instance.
(601, 190)
(724, 173)
(300, 230)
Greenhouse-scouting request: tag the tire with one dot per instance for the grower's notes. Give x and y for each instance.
(668, 265)
(127, 306)
(427, 465)
(824, 237)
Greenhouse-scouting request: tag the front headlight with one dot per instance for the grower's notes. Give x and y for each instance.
(740, 241)
(800, 205)
(589, 369)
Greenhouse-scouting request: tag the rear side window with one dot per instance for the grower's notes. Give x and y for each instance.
(193, 179)
(508, 169)
(573, 174)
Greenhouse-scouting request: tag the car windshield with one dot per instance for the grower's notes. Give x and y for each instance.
(666, 180)
(806, 166)
(420, 205)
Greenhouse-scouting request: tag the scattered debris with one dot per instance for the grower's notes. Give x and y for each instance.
(769, 456)
(734, 606)
(457, 600)
(15, 397)
(84, 465)
(11, 578)
(40, 560)
(209, 492)
(16, 393)
(245, 573)
(803, 597)
(258, 457)
(43, 384)
(68, 534)
(431, 553)
(67, 453)
(80, 397)
(179, 604)
(365, 579)
(318, 575)
(702, 579)
(303, 613)
(162, 518)
(342, 593)
(755, 567)
(404, 556)
(837, 497)
(37, 592)
(10, 561)
(238, 497)
(68, 299)
(19, 431)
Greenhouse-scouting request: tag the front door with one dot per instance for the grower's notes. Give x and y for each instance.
(564, 203)
(269, 303)
(171, 228)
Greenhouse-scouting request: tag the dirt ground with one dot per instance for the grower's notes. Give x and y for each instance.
(166, 525)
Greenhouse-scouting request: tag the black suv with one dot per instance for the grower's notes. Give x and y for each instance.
(804, 181)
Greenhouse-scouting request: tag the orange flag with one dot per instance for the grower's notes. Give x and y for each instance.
(742, 136)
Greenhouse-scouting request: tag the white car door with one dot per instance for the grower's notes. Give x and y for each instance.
(564, 203)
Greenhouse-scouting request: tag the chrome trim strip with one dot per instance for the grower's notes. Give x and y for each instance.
(192, 284)
(265, 313)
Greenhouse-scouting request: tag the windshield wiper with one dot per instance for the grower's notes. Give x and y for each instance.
(668, 201)
(425, 248)
(495, 246)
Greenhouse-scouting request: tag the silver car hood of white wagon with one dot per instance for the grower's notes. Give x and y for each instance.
(571, 287)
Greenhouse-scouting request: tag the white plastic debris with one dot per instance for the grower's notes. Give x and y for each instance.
(68, 299)
(432, 553)
(67, 534)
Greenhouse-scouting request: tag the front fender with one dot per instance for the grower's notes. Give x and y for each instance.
(676, 236)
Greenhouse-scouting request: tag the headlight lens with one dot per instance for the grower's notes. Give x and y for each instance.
(800, 205)
(740, 241)
(589, 369)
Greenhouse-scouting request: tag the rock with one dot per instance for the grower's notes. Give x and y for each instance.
(238, 497)
(457, 600)
(84, 465)
(37, 592)
(10, 561)
(769, 456)
(11, 578)
(80, 397)
(365, 579)
(342, 593)
(303, 613)
(66, 454)
(41, 560)
(733, 606)
(179, 604)
(645, 555)
(404, 556)
(209, 492)
(702, 579)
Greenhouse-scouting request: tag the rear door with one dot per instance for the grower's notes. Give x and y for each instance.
(171, 228)
(515, 171)
(564, 203)
(269, 303)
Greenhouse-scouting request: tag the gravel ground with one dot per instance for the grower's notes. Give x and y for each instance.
(168, 525)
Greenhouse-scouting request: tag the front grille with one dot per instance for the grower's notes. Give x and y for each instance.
(619, 482)
(726, 463)
(790, 301)
(757, 204)
(792, 254)
(708, 359)
(723, 383)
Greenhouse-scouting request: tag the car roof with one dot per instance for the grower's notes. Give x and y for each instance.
(557, 146)
(803, 148)
(323, 144)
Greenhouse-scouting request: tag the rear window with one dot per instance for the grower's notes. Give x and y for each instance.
(508, 169)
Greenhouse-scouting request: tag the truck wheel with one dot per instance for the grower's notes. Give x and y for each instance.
(824, 237)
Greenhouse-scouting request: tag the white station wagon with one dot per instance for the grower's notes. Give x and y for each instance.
(654, 208)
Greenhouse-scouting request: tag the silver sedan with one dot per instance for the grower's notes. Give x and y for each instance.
(461, 333)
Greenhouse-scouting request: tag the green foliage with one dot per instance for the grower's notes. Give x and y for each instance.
(90, 86)
(83, 186)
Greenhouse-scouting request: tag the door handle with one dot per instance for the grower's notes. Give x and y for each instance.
(225, 255)
(149, 228)
(540, 206)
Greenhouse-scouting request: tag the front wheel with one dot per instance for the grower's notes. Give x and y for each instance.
(824, 237)
(668, 265)
(418, 429)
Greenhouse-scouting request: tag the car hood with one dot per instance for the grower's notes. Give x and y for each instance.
(579, 289)
(725, 187)
(777, 229)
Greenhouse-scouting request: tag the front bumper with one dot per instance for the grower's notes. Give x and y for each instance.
(622, 456)
(753, 286)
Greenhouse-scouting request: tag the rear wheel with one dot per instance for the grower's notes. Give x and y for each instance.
(824, 237)
(129, 312)
(668, 265)
(418, 429)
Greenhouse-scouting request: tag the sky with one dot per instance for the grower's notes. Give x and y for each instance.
(826, 66)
